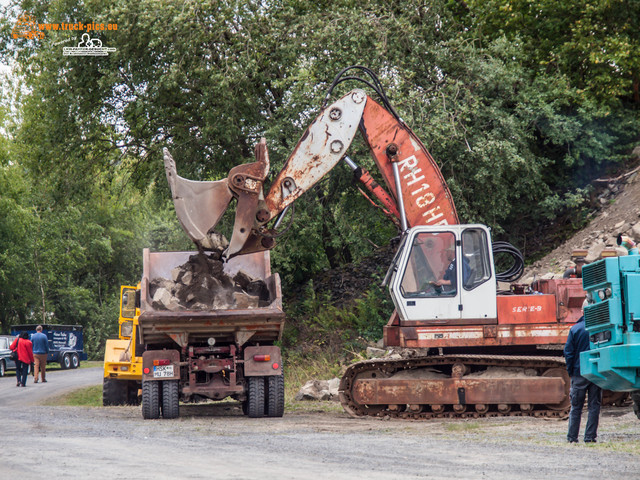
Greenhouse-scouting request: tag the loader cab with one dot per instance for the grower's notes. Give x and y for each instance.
(444, 275)
(128, 310)
(128, 326)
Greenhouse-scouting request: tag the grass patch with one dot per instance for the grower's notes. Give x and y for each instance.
(312, 407)
(84, 397)
(91, 364)
(463, 427)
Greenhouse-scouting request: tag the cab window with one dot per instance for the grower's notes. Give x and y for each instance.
(126, 329)
(128, 303)
(431, 268)
(475, 252)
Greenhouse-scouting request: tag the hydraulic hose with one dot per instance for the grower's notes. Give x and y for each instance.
(514, 272)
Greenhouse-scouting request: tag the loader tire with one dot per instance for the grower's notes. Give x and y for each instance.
(114, 392)
(635, 396)
(275, 396)
(170, 399)
(133, 398)
(151, 400)
(255, 397)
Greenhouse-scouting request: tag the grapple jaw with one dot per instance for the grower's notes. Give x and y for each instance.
(200, 205)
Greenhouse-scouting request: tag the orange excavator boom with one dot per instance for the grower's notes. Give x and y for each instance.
(417, 192)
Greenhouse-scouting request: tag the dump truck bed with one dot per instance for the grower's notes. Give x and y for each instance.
(260, 324)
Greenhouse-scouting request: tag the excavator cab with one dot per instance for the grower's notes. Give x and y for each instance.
(427, 284)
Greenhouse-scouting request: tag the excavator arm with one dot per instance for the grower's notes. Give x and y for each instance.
(416, 191)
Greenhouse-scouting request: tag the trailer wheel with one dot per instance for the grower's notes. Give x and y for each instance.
(75, 361)
(275, 395)
(255, 397)
(114, 392)
(150, 399)
(3, 368)
(65, 363)
(170, 399)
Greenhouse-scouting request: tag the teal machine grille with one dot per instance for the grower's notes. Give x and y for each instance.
(594, 274)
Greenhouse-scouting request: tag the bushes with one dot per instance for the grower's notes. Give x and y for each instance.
(315, 324)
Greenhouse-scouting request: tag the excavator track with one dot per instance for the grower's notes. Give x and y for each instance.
(457, 386)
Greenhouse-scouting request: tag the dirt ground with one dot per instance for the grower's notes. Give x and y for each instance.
(216, 440)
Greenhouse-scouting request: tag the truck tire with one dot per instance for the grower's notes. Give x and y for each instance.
(150, 399)
(114, 392)
(275, 396)
(170, 399)
(65, 362)
(3, 368)
(255, 397)
(75, 361)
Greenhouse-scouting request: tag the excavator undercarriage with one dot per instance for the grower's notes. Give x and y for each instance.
(457, 386)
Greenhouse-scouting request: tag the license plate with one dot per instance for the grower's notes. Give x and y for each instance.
(163, 371)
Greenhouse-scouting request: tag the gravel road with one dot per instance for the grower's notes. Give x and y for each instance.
(216, 441)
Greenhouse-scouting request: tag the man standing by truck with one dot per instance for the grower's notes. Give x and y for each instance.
(577, 342)
(40, 353)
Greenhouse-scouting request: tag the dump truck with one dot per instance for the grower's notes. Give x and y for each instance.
(195, 351)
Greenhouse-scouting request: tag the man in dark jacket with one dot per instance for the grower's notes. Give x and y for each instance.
(578, 341)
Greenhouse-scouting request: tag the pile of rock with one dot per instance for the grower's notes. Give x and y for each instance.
(319, 390)
(202, 285)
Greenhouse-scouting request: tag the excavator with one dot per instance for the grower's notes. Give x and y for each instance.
(463, 348)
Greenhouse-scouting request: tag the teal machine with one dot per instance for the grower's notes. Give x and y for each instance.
(612, 319)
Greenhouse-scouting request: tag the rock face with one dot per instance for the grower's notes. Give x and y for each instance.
(201, 285)
(620, 215)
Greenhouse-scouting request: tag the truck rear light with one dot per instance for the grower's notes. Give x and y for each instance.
(124, 368)
(161, 362)
(275, 365)
(146, 370)
(262, 358)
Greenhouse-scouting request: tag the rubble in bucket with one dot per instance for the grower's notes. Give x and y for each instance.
(202, 285)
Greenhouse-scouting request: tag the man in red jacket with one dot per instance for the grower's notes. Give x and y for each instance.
(23, 346)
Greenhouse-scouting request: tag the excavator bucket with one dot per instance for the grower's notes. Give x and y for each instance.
(199, 205)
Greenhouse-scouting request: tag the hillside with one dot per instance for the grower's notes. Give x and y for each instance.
(619, 213)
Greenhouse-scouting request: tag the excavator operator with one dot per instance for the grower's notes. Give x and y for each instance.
(449, 278)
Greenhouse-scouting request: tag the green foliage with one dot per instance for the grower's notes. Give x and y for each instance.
(315, 324)
(591, 42)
